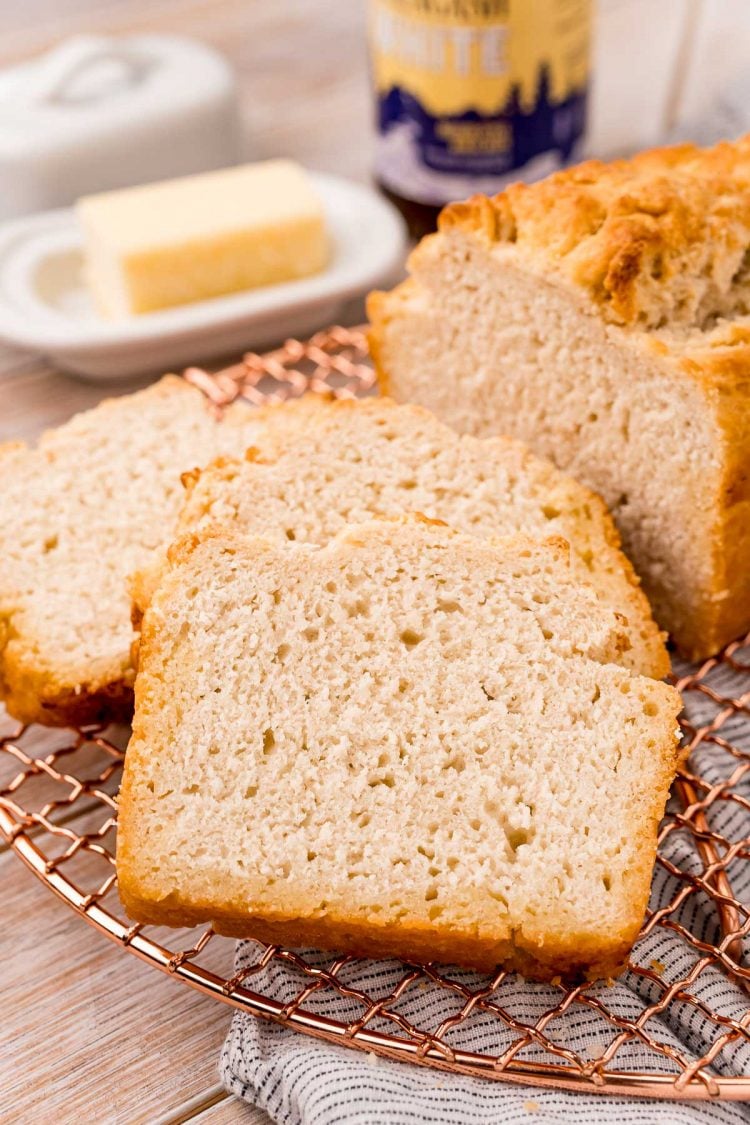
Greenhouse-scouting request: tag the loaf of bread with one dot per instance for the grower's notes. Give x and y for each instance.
(319, 465)
(78, 514)
(603, 316)
(409, 742)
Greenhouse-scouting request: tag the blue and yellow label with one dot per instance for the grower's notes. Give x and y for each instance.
(474, 92)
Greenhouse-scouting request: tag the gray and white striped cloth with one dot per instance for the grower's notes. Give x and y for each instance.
(301, 1081)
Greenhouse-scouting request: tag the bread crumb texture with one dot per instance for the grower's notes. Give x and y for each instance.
(78, 513)
(319, 465)
(408, 742)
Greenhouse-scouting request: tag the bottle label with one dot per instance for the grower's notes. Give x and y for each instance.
(474, 93)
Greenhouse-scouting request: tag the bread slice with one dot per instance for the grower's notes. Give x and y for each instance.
(78, 513)
(319, 465)
(603, 316)
(402, 743)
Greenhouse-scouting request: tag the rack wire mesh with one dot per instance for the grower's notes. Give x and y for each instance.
(58, 814)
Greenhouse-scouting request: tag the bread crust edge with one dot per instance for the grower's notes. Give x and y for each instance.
(413, 943)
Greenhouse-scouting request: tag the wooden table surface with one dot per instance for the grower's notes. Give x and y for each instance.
(90, 1034)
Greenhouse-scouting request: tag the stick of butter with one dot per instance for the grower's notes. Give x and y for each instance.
(201, 236)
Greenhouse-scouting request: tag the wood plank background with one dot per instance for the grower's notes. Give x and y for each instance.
(90, 1034)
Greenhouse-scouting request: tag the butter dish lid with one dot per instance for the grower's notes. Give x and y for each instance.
(98, 112)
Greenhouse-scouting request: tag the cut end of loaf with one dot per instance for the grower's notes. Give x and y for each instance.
(655, 418)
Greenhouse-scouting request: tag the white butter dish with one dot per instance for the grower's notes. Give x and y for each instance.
(45, 306)
(100, 112)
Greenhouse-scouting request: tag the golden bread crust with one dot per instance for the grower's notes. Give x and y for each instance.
(575, 960)
(726, 385)
(657, 241)
(34, 695)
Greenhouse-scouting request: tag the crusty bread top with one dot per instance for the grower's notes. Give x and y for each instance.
(403, 742)
(659, 242)
(319, 465)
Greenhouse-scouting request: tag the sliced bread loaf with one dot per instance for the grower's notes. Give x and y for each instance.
(403, 743)
(320, 465)
(603, 315)
(78, 514)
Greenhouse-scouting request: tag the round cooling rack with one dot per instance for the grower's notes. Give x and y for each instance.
(675, 1025)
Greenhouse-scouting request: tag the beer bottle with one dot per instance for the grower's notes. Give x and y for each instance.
(472, 94)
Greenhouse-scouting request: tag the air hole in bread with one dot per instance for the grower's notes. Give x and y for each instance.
(517, 837)
(386, 779)
(448, 606)
(410, 638)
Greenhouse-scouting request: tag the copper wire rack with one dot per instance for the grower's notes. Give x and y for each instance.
(58, 814)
